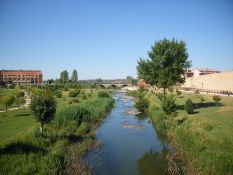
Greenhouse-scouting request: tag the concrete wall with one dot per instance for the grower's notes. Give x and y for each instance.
(213, 82)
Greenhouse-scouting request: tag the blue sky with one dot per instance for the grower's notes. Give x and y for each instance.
(106, 38)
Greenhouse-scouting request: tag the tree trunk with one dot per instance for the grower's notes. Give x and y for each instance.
(41, 128)
(164, 90)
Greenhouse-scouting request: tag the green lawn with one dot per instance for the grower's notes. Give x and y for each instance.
(10, 92)
(15, 125)
(204, 138)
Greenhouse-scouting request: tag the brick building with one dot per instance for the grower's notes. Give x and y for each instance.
(21, 76)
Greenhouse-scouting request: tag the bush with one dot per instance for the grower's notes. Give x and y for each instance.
(70, 102)
(170, 89)
(103, 94)
(168, 104)
(202, 99)
(189, 106)
(178, 92)
(141, 104)
(21, 100)
(74, 93)
(197, 92)
(75, 100)
(217, 98)
(58, 94)
(19, 94)
(160, 96)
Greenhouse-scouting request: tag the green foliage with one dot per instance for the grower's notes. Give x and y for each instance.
(168, 104)
(64, 76)
(19, 94)
(141, 104)
(70, 102)
(189, 106)
(217, 98)
(75, 100)
(178, 92)
(170, 89)
(160, 96)
(103, 94)
(197, 92)
(165, 65)
(22, 100)
(74, 93)
(58, 94)
(7, 101)
(74, 77)
(43, 107)
(202, 99)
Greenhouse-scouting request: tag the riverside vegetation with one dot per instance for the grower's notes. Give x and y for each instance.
(24, 150)
(202, 135)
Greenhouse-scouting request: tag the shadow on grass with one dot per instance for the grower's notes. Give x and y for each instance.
(22, 114)
(201, 105)
(207, 105)
(19, 147)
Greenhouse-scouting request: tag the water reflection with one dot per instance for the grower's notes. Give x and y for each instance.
(153, 163)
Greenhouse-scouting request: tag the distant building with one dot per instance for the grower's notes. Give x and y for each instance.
(21, 76)
(198, 72)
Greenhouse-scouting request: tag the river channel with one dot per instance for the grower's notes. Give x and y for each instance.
(129, 145)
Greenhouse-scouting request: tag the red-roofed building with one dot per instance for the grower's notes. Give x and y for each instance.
(21, 76)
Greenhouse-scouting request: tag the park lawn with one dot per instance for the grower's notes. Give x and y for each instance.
(204, 139)
(8, 92)
(15, 125)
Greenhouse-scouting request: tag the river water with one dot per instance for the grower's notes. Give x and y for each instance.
(130, 144)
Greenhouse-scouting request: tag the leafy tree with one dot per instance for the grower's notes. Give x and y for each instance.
(21, 100)
(99, 80)
(43, 107)
(19, 94)
(164, 68)
(7, 101)
(189, 106)
(129, 79)
(74, 77)
(64, 76)
(217, 98)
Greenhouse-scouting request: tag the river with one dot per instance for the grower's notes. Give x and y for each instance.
(129, 145)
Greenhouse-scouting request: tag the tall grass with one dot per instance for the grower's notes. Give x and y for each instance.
(70, 133)
(191, 135)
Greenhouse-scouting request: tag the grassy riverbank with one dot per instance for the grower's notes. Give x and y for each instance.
(66, 138)
(204, 139)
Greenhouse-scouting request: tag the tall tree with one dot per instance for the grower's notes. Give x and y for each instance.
(74, 77)
(129, 79)
(167, 60)
(64, 76)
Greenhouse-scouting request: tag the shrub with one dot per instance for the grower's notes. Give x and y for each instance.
(202, 99)
(21, 100)
(160, 96)
(70, 102)
(141, 104)
(58, 94)
(103, 94)
(19, 94)
(75, 100)
(74, 93)
(7, 101)
(168, 104)
(178, 92)
(217, 98)
(189, 106)
(197, 92)
(170, 89)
